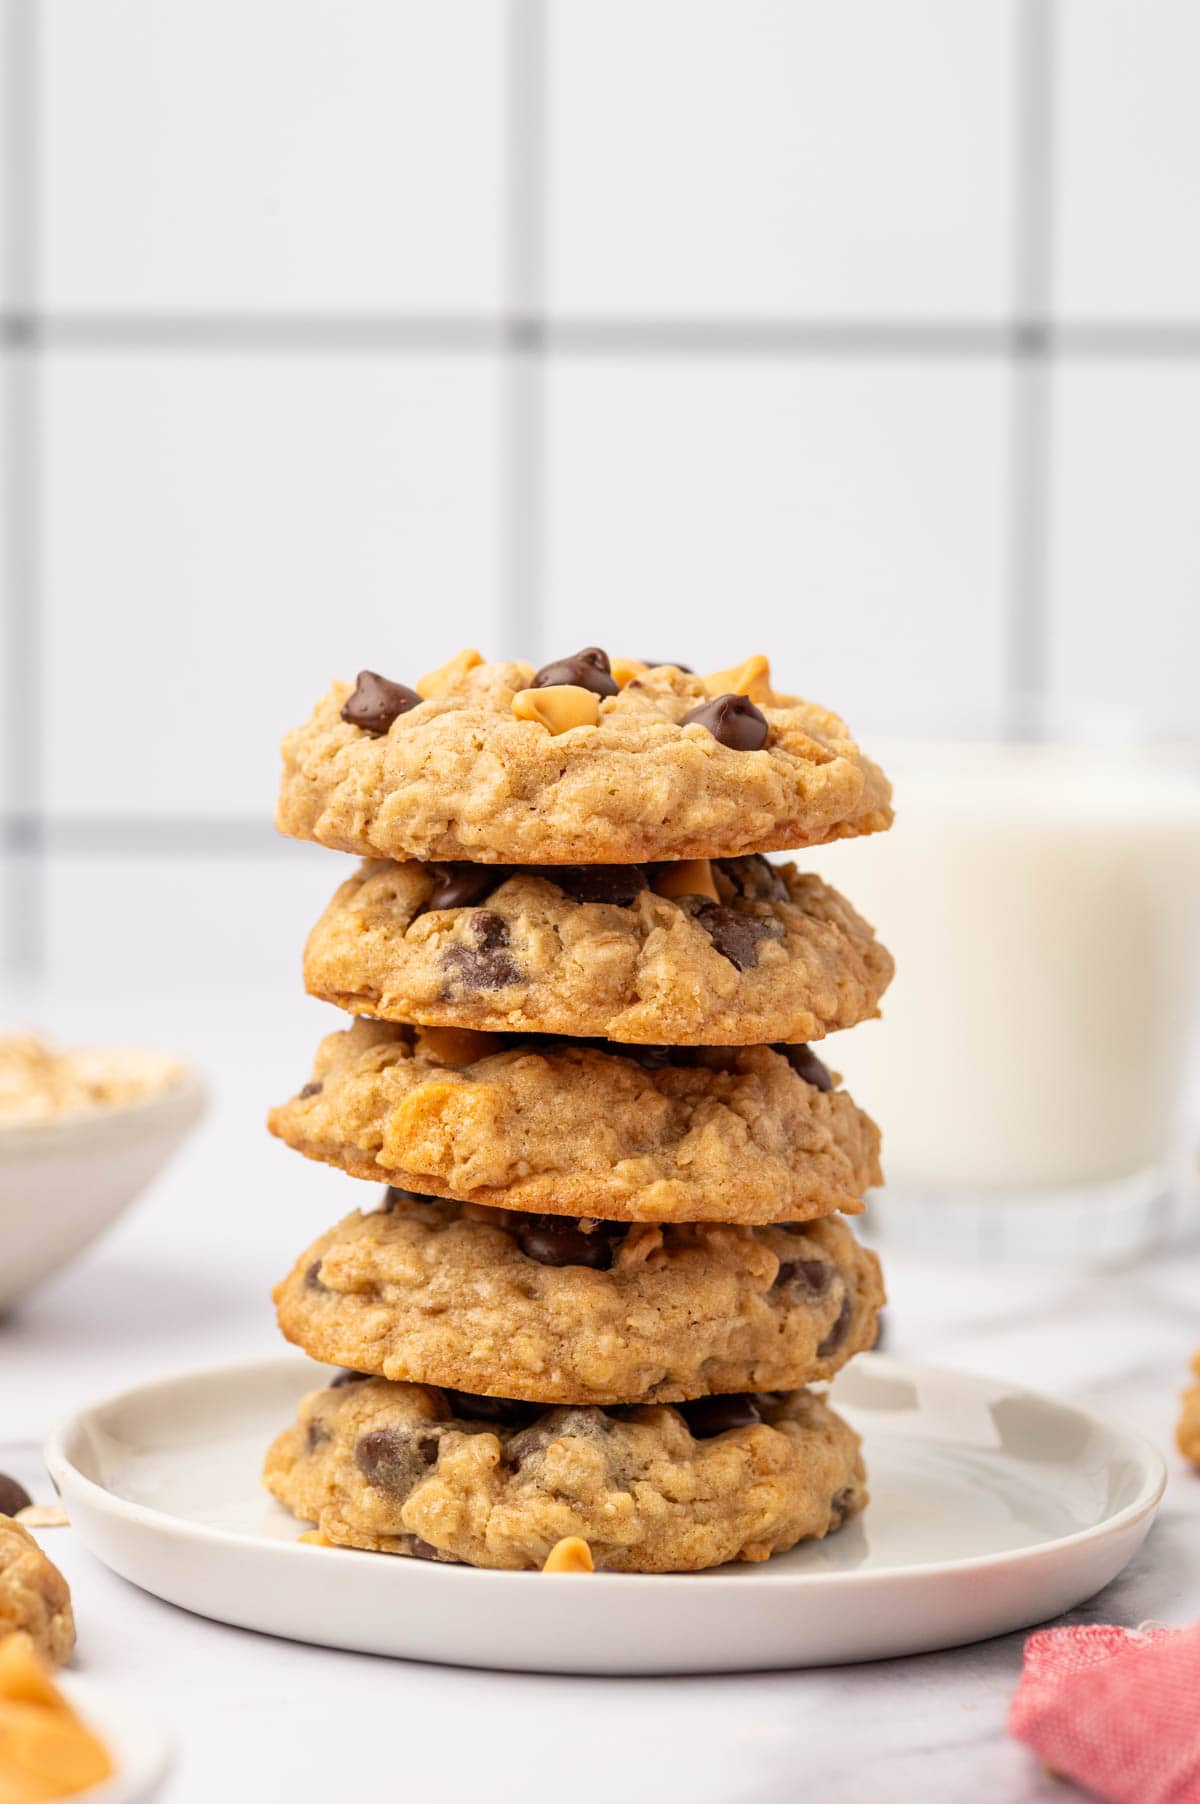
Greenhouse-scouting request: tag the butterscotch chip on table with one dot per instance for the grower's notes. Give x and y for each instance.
(562, 1311)
(46, 1752)
(1188, 1432)
(34, 1596)
(409, 1469)
(662, 767)
(565, 1127)
(732, 952)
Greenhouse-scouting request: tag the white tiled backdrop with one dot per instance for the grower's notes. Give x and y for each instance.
(343, 332)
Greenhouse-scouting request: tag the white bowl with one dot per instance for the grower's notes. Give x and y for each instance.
(62, 1183)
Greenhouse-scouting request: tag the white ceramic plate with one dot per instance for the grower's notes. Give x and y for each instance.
(992, 1508)
(138, 1747)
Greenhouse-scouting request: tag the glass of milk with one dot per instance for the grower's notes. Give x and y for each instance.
(1043, 904)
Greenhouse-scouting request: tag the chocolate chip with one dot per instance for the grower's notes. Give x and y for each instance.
(462, 885)
(421, 1550)
(841, 1328)
(484, 964)
(393, 1459)
(316, 1436)
(809, 1279)
(376, 702)
(805, 1063)
(347, 1376)
(555, 1240)
(620, 884)
(735, 935)
(13, 1496)
(666, 664)
(311, 1089)
(588, 669)
(709, 1416)
(312, 1277)
(755, 878)
(733, 720)
(393, 1196)
(507, 1412)
(841, 1505)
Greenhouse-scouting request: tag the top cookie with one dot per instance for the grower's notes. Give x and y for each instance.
(574, 764)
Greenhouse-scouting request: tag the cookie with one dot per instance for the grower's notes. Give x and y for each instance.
(405, 1468)
(558, 1311)
(34, 1595)
(750, 952)
(484, 765)
(565, 1127)
(1188, 1432)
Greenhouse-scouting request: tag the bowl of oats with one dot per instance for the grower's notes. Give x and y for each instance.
(82, 1133)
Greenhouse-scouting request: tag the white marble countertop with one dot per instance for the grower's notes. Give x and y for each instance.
(183, 1282)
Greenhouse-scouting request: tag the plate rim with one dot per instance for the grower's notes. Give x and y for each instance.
(148, 1518)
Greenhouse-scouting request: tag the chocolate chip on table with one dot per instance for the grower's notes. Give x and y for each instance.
(737, 936)
(806, 1278)
(506, 1412)
(376, 702)
(462, 885)
(841, 1328)
(312, 1277)
(755, 877)
(13, 1496)
(733, 720)
(805, 1063)
(393, 1459)
(347, 1376)
(483, 964)
(314, 1088)
(556, 1240)
(709, 1416)
(617, 883)
(588, 669)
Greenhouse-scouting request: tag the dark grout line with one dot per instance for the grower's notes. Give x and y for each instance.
(1029, 523)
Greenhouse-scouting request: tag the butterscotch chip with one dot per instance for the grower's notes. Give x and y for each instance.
(1188, 1433)
(34, 1595)
(569, 1555)
(595, 950)
(46, 1752)
(558, 707)
(566, 1128)
(562, 1311)
(461, 776)
(408, 1469)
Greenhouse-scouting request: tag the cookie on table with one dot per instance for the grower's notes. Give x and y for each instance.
(562, 1311)
(1188, 1432)
(578, 763)
(729, 952)
(34, 1596)
(566, 1127)
(409, 1469)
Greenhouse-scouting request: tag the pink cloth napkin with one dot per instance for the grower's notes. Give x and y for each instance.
(1116, 1710)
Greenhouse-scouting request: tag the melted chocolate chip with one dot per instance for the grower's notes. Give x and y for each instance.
(316, 1435)
(709, 1416)
(347, 1376)
(809, 1279)
(733, 720)
(376, 702)
(311, 1089)
(588, 669)
(421, 1550)
(393, 1196)
(755, 878)
(312, 1277)
(617, 883)
(736, 936)
(555, 1240)
(13, 1496)
(483, 964)
(393, 1459)
(841, 1328)
(462, 885)
(805, 1063)
(506, 1412)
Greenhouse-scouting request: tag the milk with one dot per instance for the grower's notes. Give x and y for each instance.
(1043, 908)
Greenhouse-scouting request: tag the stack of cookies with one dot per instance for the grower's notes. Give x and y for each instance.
(610, 1259)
